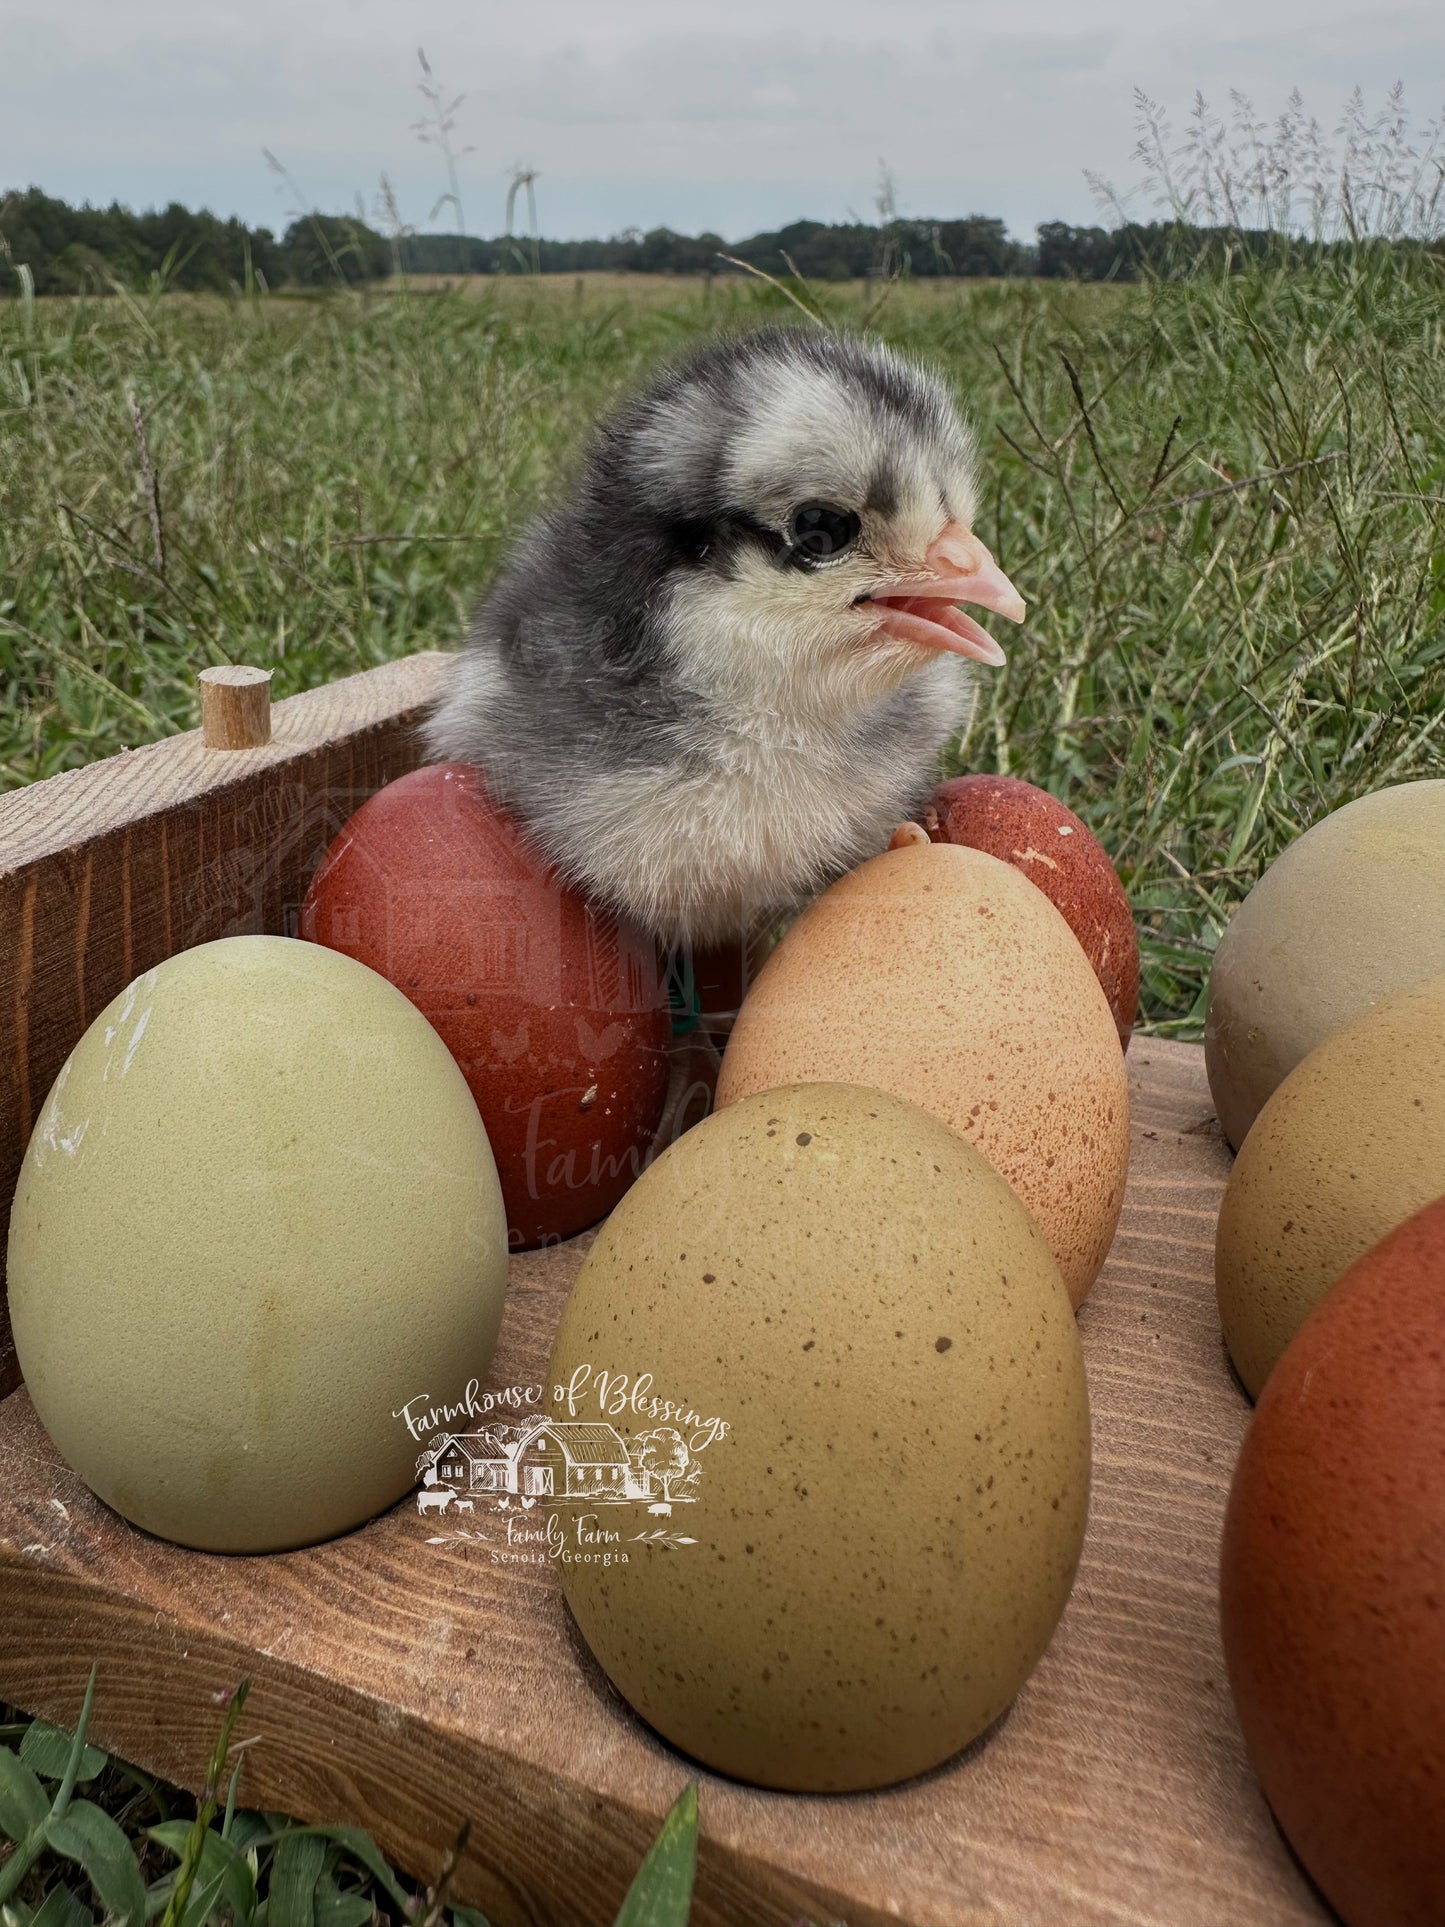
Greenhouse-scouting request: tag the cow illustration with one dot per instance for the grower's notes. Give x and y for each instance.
(435, 1499)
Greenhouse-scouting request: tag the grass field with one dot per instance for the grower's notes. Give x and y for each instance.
(1223, 498)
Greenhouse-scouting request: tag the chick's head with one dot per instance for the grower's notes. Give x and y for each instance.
(819, 494)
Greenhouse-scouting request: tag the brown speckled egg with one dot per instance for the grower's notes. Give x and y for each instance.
(1333, 1585)
(1350, 1144)
(941, 974)
(555, 1010)
(1352, 910)
(1054, 849)
(857, 1337)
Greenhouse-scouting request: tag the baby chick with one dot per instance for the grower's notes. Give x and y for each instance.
(723, 672)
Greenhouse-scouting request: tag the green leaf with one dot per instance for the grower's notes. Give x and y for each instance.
(46, 1751)
(220, 1860)
(177, 1905)
(294, 1874)
(246, 1829)
(23, 1805)
(203, 1904)
(469, 1917)
(61, 1908)
(345, 1910)
(661, 1895)
(229, 1818)
(87, 1834)
(77, 1748)
(358, 1843)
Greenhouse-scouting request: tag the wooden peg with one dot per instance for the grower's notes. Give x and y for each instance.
(235, 707)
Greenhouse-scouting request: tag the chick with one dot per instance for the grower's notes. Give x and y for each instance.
(722, 673)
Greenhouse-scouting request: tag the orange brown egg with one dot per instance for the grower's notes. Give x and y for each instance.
(941, 975)
(1333, 1585)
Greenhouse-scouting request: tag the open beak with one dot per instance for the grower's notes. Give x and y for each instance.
(922, 609)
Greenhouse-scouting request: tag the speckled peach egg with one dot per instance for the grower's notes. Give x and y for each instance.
(1333, 1585)
(1056, 850)
(941, 974)
(1353, 909)
(1350, 1144)
(555, 1010)
(844, 1365)
(257, 1215)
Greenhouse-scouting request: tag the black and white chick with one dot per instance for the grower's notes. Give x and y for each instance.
(723, 672)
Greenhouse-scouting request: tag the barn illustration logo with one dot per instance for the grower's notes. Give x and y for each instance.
(585, 1481)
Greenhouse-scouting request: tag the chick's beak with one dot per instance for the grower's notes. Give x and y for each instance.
(921, 609)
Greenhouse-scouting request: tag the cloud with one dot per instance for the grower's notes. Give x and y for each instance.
(646, 111)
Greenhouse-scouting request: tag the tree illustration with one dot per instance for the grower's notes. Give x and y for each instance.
(664, 1456)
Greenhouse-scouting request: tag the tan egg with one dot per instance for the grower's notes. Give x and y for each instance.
(942, 975)
(1352, 910)
(257, 1215)
(1350, 1145)
(854, 1344)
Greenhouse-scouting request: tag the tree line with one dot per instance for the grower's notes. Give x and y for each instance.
(59, 249)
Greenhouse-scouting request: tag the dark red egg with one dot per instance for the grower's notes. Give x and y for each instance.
(1033, 831)
(1333, 1584)
(555, 1009)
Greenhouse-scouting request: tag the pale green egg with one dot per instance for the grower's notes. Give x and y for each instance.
(257, 1215)
(1351, 911)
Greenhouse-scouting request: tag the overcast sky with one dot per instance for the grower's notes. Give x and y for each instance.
(735, 115)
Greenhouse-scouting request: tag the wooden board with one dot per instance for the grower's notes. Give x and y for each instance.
(106, 870)
(406, 1686)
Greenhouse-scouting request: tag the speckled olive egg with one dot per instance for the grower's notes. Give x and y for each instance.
(1056, 850)
(941, 974)
(556, 1010)
(1350, 1144)
(258, 1213)
(1352, 910)
(1333, 1585)
(880, 1542)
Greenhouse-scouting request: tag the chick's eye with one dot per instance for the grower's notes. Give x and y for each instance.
(820, 532)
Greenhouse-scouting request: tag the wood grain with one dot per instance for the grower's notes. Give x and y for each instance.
(106, 870)
(404, 1686)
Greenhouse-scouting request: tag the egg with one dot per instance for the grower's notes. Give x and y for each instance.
(555, 1009)
(941, 974)
(1056, 850)
(884, 1531)
(1333, 1585)
(258, 1212)
(1353, 909)
(1350, 1144)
